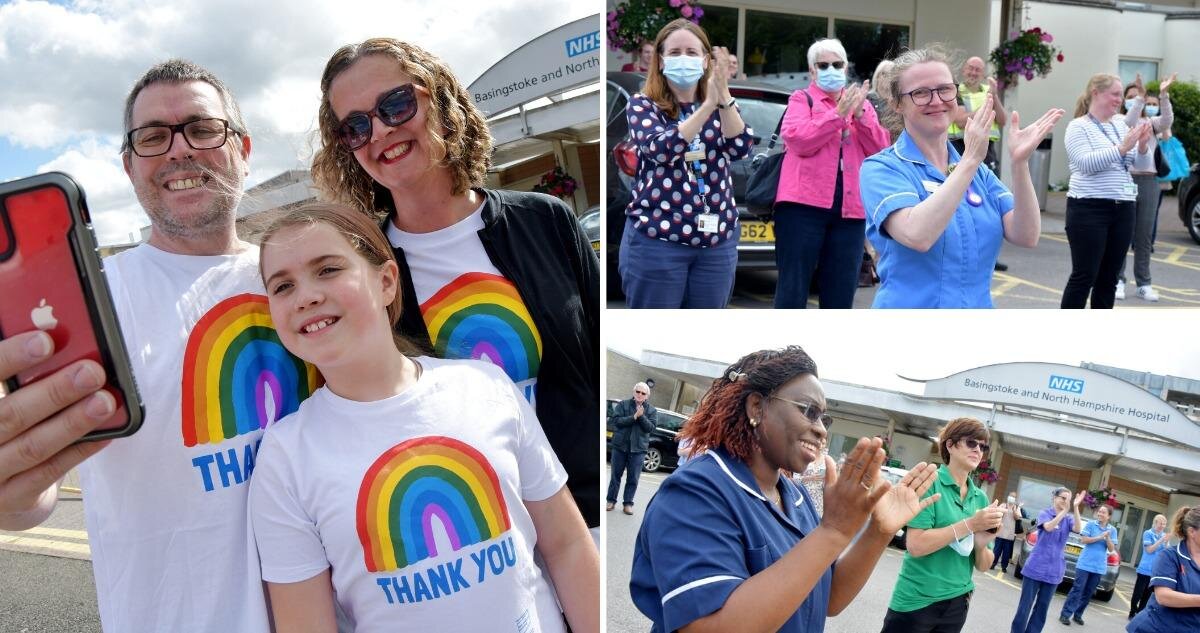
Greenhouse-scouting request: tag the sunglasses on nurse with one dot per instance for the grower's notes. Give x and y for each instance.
(394, 109)
(809, 410)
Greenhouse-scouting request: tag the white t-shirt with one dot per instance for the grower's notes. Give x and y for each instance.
(415, 501)
(469, 307)
(166, 507)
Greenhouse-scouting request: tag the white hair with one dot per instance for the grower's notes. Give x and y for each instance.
(643, 385)
(831, 45)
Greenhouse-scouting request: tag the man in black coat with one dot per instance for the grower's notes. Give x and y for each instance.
(634, 420)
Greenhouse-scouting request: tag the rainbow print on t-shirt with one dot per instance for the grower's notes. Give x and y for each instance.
(481, 316)
(416, 482)
(237, 376)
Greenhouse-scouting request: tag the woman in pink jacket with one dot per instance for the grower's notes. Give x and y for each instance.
(829, 130)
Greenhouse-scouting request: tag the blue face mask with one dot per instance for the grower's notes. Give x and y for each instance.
(1129, 103)
(1151, 110)
(831, 79)
(683, 71)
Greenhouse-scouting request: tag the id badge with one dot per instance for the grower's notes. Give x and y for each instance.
(1130, 189)
(708, 222)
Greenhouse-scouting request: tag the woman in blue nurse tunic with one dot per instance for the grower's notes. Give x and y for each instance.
(730, 544)
(938, 219)
(1175, 605)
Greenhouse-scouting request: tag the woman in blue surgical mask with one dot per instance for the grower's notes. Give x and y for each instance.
(679, 247)
(1140, 106)
(829, 128)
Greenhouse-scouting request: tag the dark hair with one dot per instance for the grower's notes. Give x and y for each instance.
(177, 71)
(457, 130)
(656, 84)
(960, 429)
(1185, 518)
(364, 237)
(721, 419)
(1059, 490)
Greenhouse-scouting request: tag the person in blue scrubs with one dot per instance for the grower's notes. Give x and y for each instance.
(1175, 605)
(1099, 540)
(1153, 542)
(937, 219)
(730, 544)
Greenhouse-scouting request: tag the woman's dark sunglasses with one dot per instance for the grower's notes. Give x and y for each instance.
(825, 65)
(394, 108)
(972, 444)
(809, 410)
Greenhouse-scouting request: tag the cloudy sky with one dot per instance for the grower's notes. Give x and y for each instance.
(67, 67)
(867, 347)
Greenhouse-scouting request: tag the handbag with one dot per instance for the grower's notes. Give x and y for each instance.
(1160, 162)
(763, 183)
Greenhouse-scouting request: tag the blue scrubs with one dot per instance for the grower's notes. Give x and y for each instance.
(1175, 568)
(957, 271)
(709, 529)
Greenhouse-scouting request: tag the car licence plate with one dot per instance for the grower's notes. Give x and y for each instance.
(1074, 549)
(755, 231)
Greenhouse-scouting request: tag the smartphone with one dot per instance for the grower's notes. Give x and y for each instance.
(52, 279)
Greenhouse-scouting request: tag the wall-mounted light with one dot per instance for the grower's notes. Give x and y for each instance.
(1169, 471)
(649, 382)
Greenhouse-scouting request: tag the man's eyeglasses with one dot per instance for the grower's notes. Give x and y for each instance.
(156, 140)
(394, 108)
(972, 444)
(924, 96)
(642, 393)
(1066, 498)
(826, 65)
(809, 410)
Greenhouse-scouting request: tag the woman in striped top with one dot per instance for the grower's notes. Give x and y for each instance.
(1101, 148)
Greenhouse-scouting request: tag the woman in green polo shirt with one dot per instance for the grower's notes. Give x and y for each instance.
(946, 540)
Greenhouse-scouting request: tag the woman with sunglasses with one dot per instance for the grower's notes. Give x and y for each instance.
(729, 543)
(829, 129)
(1046, 565)
(948, 540)
(497, 275)
(679, 246)
(937, 219)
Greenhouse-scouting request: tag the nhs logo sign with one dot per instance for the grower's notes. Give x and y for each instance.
(1063, 383)
(583, 44)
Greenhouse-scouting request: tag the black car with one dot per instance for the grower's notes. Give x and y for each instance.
(664, 449)
(1189, 202)
(762, 107)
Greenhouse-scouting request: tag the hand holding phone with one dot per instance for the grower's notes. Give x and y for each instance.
(52, 280)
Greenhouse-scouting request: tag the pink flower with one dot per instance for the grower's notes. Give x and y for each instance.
(1046, 37)
(686, 11)
(675, 3)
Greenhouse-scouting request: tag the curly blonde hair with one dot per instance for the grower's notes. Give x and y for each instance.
(457, 130)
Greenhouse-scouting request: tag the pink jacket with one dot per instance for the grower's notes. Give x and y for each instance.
(810, 162)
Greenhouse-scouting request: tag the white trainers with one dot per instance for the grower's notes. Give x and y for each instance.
(1120, 290)
(1147, 293)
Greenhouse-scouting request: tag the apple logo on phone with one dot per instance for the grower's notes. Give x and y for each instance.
(43, 317)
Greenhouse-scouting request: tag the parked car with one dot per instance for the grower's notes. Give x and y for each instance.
(590, 223)
(1074, 546)
(664, 449)
(894, 475)
(1189, 202)
(762, 107)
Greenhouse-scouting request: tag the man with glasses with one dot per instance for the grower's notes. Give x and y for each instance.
(634, 419)
(166, 508)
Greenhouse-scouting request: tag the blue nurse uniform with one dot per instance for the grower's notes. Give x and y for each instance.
(709, 529)
(1175, 568)
(957, 271)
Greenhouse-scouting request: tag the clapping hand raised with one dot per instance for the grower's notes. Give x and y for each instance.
(851, 496)
(1165, 85)
(1022, 142)
(852, 99)
(978, 129)
(903, 501)
(1139, 135)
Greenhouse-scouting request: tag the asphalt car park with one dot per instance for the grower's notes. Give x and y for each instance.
(992, 605)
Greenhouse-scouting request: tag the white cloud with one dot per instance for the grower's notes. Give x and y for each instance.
(67, 69)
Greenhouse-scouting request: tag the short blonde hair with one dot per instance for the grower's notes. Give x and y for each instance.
(457, 130)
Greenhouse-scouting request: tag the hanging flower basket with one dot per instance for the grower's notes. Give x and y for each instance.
(1101, 496)
(557, 183)
(984, 473)
(1027, 54)
(632, 22)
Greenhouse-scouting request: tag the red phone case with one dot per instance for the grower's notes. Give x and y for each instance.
(51, 278)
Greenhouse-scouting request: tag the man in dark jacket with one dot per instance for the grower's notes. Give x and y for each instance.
(635, 419)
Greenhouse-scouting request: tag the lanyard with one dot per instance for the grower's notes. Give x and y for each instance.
(1115, 132)
(695, 166)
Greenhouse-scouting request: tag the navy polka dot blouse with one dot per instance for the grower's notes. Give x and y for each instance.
(667, 197)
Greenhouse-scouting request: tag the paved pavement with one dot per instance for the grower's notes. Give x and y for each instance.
(1036, 277)
(992, 605)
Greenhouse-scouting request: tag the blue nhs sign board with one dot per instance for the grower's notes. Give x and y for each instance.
(583, 44)
(1063, 383)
